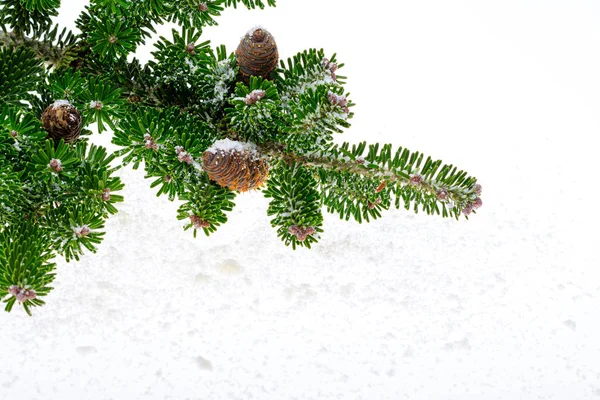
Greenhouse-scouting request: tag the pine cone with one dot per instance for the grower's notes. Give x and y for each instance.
(62, 121)
(256, 55)
(240, 170)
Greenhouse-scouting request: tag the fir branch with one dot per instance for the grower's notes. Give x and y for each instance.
(27, 17)
(413, 181)
(21, 73)
(57, 49)
(25, 270)
(295, 203)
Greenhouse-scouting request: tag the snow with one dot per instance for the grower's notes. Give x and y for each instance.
(501, 307)
(60, 103)
(231, 145)
(96, 104)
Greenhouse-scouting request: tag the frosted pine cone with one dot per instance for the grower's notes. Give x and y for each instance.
(62, 121)
(256, 54)
(235, 165)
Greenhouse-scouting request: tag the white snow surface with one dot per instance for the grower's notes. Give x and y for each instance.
(502, 307)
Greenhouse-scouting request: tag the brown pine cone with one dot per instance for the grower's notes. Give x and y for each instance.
(236, 168)
(256, 55)
(62, 121)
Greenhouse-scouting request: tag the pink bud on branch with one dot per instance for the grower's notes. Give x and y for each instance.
(55, 165)
(198, 222)
(22, 294)
(254, 96)
(301, 233)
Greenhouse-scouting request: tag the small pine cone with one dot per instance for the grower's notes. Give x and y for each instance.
(256, 55)
(62, 121)
(477, 202)
(240, 170)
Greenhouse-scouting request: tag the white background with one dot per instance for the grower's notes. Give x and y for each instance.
(503, 306)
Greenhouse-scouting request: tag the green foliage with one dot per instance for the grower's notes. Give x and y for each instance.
(352, 195)
(46, 154)
(20, 72)
(217, 72)
(250, 4)
(19, 128)
(55, 197)
(102, 103)
(66, 83)
(27, 16)
(196, 13)
(207, 201)
(12, 195)
(52, 193)
(98, 99)
(174, 68)
(73, 230)
(171, 144)
(312, 119)
(113, 39)
(42, 5)
(96, 181)
(150, 135)
(189, 74)
(295, 202)
(307, 69)
(24, 262)
(255, 121)
(396, 168)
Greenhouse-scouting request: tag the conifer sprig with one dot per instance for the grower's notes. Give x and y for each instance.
(199, 122)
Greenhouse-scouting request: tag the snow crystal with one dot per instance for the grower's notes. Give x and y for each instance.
(192, 66)
(59, 103)
(224, 69)
(96, 104)
(229, 145)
